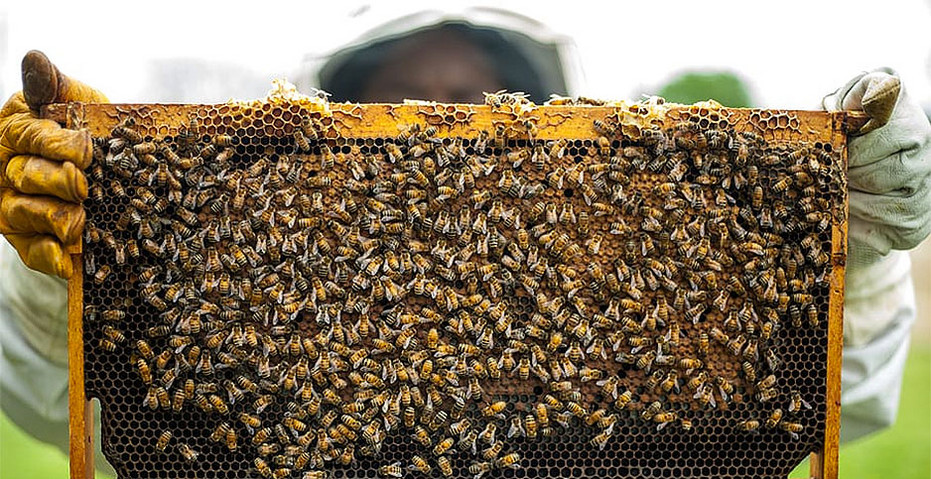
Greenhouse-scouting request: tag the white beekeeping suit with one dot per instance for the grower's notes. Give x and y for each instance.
(889, 178)
(34, 352)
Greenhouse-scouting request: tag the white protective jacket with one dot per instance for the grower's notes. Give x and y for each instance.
(879, 309)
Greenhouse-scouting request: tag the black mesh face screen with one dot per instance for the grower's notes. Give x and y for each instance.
(264, 297)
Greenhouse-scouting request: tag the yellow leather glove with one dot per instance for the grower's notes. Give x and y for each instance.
(42, 183)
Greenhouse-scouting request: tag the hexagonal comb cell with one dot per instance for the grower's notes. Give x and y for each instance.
(463, 291)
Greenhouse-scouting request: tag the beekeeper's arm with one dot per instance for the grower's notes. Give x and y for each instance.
(889, 178)
(41, 188)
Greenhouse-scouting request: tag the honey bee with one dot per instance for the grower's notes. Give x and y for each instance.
(220, 432)
(443, 446)
(663, 419)
(124, 131)
(391, 470)
(697, 382)
(774, 418)
(189, 454)
(479, 469)
(419, 464)
(792, 428)
(671, 382)
(694, 313)
(750, 425)
(102, 274)
(163, 440)
(249, 420)
(511, 460)
(143, 347)
(263, 468)
(588, 374)
(420, 434)
(736, 345)
(654, 380)
(796, 403)
(645, 361)
(652, 410)
(488, 434)
(262, 402)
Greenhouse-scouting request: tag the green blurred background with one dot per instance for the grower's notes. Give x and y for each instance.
(901, 452)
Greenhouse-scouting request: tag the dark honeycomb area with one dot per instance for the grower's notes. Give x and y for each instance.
(265, 296)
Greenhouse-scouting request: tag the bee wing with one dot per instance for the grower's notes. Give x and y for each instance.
(515, 429)
(724, 395)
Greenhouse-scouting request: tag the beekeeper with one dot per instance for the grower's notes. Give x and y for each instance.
(450, 57)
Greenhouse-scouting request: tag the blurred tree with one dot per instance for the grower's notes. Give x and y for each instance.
(722, 86)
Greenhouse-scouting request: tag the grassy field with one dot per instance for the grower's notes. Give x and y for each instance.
(902, 452)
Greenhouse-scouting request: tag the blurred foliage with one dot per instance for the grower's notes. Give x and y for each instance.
(693, 86)
(22, 457)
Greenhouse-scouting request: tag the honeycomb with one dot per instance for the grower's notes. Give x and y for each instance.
(294, 289)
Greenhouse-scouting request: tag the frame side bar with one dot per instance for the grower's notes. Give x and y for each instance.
(80, 412)
(829, 459)
(81, 420)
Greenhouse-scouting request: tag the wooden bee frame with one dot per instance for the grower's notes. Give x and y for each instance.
(548, 123)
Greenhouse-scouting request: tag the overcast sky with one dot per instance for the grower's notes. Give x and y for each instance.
(793, 51)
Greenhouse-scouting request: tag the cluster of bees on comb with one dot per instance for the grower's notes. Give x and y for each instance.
(319, 295)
